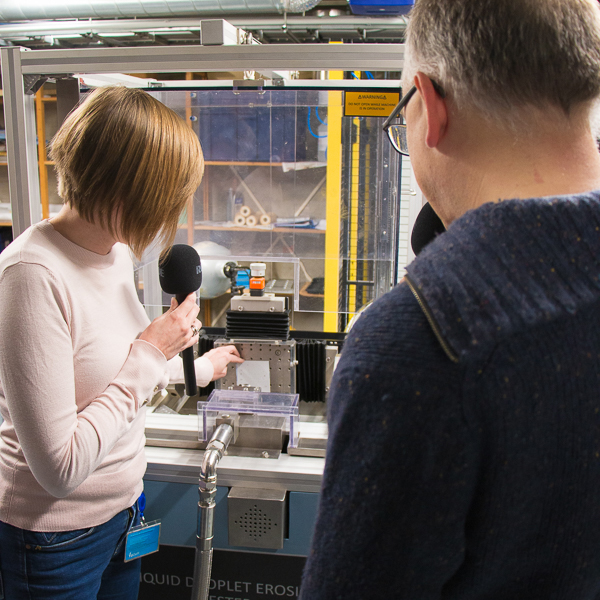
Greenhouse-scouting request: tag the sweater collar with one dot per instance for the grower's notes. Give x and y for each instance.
(507, 266)
(77, 253)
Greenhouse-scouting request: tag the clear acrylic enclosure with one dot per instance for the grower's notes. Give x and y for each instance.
(292, 182)
(265, 407)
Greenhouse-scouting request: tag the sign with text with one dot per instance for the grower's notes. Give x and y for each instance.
(235, 575)
(370, 104)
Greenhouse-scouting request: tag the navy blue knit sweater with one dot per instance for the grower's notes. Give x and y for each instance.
(464, 451)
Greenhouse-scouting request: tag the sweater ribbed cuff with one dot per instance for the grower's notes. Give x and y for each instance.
(204, 371)
(144, 373)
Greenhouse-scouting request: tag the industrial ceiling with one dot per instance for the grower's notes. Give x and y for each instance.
(45, 24)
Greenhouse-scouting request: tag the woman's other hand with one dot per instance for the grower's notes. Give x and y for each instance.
(221, 357)
(172, 332)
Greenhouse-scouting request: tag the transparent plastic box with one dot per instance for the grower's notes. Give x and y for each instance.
(264, 406)
(292, 181)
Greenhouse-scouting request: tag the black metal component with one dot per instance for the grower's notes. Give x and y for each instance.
(310, 373)
(205, 343)
(257, 325)
(230, 270)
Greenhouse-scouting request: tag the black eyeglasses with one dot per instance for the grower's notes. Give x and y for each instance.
(397, 132)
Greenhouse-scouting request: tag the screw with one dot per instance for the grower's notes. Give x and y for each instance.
(328, 359)
(277, 352)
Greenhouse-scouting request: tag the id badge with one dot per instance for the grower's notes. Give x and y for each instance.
(142, 540)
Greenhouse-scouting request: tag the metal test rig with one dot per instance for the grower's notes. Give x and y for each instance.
(334, 185)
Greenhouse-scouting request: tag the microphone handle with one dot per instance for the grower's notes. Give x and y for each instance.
(187, 355)
(189, 371)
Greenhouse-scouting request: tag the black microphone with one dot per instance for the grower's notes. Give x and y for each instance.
(427, 227)
(180, 273)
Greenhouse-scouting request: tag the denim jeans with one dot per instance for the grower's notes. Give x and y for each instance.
(85, 564)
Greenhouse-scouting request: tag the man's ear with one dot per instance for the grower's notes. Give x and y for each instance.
(435, 109)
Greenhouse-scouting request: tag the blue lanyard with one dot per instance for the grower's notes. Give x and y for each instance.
(141, 502)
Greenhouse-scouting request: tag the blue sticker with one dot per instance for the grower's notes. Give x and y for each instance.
(142, 540)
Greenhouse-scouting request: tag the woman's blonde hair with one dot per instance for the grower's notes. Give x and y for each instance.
(128, 162)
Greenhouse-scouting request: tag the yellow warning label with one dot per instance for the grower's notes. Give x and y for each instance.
(370, 104)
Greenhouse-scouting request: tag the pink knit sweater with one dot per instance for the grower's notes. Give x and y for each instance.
(73, 383)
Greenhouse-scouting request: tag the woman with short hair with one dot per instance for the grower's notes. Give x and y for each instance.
(79, 358)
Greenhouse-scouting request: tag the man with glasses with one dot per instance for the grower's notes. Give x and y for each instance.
(397, 131)
(463, 460)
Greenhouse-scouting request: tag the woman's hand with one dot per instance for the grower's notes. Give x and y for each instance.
(221, 357)
(172, 332)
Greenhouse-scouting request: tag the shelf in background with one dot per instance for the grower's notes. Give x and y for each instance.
(226, 163)
(257, 229)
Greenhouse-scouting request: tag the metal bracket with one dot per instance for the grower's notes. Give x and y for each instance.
(240, 85)
(32, 83)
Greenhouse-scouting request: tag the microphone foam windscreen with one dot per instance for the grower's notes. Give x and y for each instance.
(179, 271)
(427, 227)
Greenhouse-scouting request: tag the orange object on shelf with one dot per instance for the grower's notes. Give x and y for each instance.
(257, 283)
(257, 279)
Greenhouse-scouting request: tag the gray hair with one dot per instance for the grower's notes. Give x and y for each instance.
(507, 57)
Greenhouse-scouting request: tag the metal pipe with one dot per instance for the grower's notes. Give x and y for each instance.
(58, 29)
(107, 9)
(207, 489)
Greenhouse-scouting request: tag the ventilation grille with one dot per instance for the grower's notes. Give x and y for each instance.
(256, 517)
(206, 343)
(310, 373)
(255, 524)
(258, 325)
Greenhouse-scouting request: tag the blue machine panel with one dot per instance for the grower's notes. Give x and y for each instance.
(237, 573)
(176, 504)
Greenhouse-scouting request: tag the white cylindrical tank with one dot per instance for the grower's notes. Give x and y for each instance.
(214, 281)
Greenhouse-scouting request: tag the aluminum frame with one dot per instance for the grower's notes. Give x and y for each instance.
(19, 116)
(19, 109)
(291, 57)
